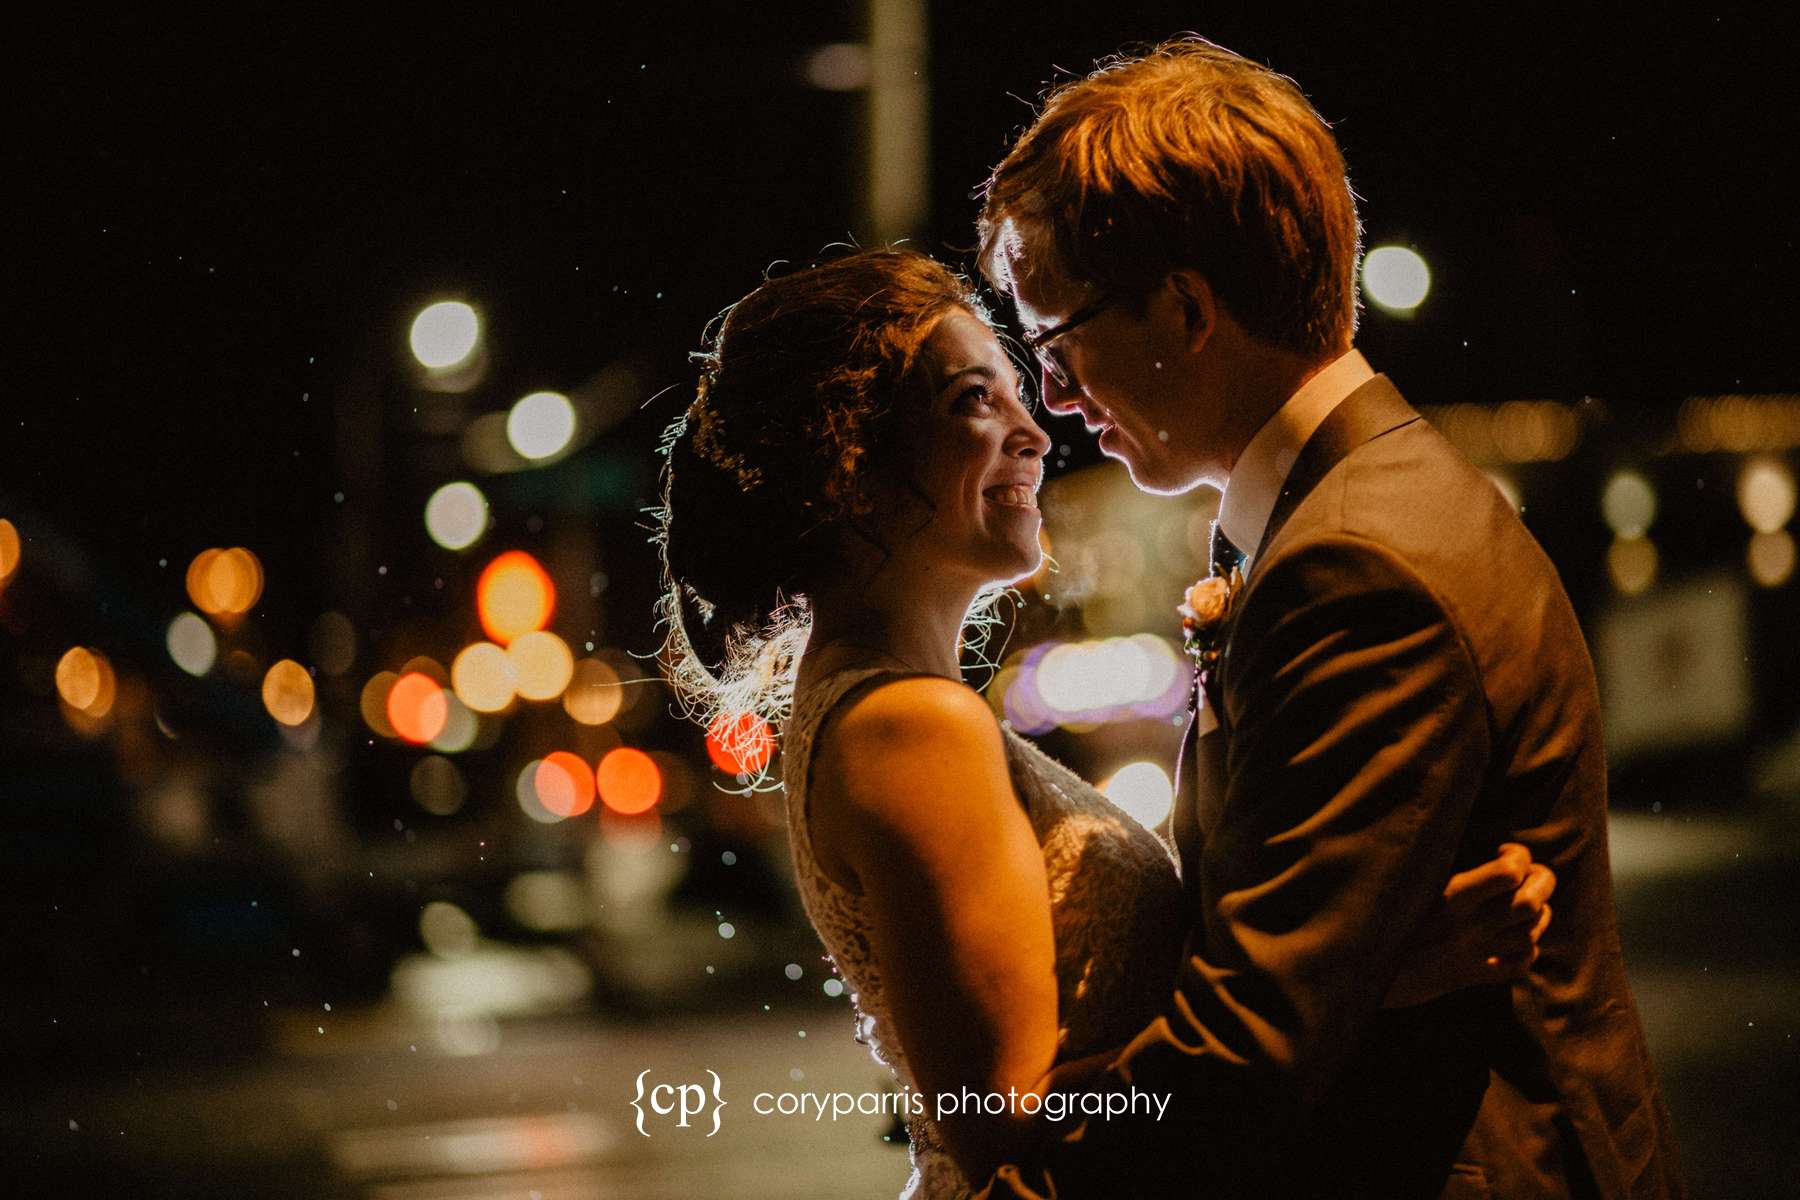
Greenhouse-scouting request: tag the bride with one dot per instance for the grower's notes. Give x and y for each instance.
(853, 487)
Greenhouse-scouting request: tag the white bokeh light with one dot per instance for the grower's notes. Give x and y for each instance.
(445, 334)
(456, 515)
(1766, 494)
(1395, 278)
(192, 645)
(525, 790)
(540, 424)
(1143, 790)
(1629, 504)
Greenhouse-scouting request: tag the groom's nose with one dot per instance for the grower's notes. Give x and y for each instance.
(1057, 398)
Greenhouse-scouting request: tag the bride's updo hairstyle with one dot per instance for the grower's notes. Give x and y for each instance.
(803, 385)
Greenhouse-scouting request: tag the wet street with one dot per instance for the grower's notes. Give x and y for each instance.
(381, 1104)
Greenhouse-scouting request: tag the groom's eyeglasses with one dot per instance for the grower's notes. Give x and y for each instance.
(1043, 344)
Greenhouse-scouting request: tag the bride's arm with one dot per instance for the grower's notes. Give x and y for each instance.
(910, 792)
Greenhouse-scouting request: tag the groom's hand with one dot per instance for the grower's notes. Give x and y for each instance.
(1485, 930)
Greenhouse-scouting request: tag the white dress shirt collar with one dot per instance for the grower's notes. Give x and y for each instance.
(1262, 468)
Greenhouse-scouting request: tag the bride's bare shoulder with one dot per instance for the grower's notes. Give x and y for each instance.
(906, 756)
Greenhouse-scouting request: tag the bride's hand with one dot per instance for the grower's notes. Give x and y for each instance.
(1485, 930)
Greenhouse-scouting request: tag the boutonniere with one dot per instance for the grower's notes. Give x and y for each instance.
(1205, 610)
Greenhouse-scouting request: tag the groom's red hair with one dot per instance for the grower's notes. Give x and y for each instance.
(1186, 156)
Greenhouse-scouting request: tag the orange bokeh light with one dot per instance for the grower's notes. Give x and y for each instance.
(287, 692)
(565, 784)
(417, 707)
(740, 747)
(514, 596)
(593, 695)
(86, 683)
(9, 548)
(225, 584)
(374, 702)
(629, 781)
(78, 678)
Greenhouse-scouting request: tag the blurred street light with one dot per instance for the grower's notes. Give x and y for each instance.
(1395, 279)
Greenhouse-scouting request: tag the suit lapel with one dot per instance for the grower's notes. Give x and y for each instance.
(1371, 410)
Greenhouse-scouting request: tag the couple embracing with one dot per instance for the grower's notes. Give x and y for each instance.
(1343, 978)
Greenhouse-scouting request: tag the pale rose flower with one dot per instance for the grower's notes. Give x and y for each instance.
(1208, 600)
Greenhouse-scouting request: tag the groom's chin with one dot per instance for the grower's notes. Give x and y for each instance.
(1161, 483)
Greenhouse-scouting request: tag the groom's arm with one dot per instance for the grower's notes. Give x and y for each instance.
(1359, 742)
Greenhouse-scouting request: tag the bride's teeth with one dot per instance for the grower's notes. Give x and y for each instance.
(1017, 494)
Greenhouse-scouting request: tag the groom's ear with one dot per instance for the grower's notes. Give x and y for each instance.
(1198, 307)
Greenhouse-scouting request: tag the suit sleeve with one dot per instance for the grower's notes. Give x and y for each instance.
(1359, 742)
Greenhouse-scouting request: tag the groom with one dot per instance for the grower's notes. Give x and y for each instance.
(1401, 686)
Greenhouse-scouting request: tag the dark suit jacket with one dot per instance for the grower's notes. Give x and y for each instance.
(1404, 686)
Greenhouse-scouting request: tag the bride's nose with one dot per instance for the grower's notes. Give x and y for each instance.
(1027, 439)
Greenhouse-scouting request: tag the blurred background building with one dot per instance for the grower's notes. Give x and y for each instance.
(351, 845)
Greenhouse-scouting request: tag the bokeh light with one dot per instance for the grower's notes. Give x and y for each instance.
(629, 781)
(78, 678)
(461, 727)
(87, 686)
(417, 708)
(1395, 278)
(225, 584)
(447, 930)
(1143, 790)
(192, 644)
(1629, 504)
(1090, 683)
(525, 789)
(542, 664)
(444, 334)
(1739, 423)
(548, 901)
(1535, 431)
(514, 596)
(1765, 494)
(437, 785)
(637, 691)
(333, 643)
(374, 703)
(1771, 558)
(740, 746)
(565, 784)
(456, 515)
(10, 550)
(287, 692)
(593, 695)
(540, 424)
(1631, 562)
(482, 675)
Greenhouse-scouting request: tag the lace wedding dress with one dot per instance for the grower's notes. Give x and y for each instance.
(1115, 905)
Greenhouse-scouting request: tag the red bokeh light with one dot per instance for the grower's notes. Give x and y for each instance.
(742, 746)
(417, 707)
(565, 784)
(630, 781)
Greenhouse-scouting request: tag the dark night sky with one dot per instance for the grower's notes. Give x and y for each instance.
(228, 229)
